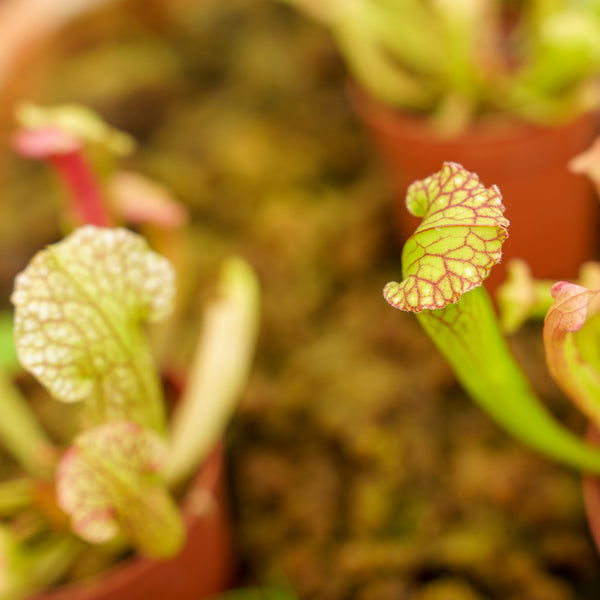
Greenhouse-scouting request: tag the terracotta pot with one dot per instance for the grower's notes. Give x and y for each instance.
(591, 493)
(203, 568)
(553, 214)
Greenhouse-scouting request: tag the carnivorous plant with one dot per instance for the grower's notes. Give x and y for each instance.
(444, 264)
(455, 61)
(83, 307)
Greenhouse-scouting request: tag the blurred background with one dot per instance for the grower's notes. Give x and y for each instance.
(358, 468)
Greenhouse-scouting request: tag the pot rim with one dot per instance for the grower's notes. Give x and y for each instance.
(491, 129)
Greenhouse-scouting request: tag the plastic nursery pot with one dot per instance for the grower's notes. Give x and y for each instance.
(553, 213)
(204, 567)
(591, 493)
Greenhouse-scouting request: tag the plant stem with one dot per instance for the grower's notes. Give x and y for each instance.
(51, 560)
(16, 494)
(468, 336)
(21, 433)
(219, 369)
(76, 173)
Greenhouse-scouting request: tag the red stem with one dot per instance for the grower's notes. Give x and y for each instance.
(76, 173)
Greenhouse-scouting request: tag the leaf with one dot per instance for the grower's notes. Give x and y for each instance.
(9, 362)
(458, 242)
(27, 567)
(520, 297)
(13, 565)
(76, 123)
(139, 200)
(259, 593)
(468, 336)
(588, 163)
(108, 482)
(21, 432)
(576, 377)
(79, 307)
(569, 310)
(219, 369)
(445, 261)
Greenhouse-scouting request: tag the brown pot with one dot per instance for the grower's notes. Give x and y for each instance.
(553, 213)
(203, 568)
(591, 493)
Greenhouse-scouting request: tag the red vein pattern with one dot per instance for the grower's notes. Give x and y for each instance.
(78, 309)
(457, 243)
(579, 379)
(104, 469)
(569, 311)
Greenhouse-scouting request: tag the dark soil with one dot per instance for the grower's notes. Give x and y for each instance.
(359, 469)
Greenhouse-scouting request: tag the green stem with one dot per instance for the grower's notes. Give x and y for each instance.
(219, 370)
(52, 559)
(373, 68)
(16, 494)
(468, 336)
(20, 432)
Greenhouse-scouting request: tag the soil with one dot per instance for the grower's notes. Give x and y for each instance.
(359, 468)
